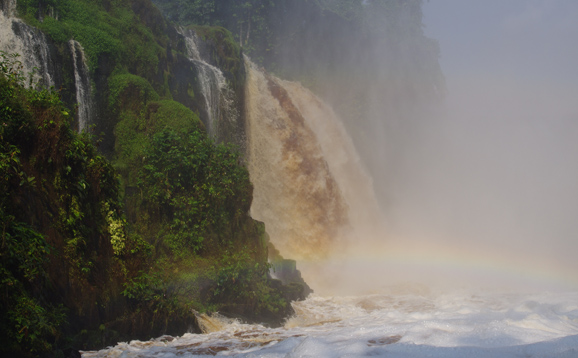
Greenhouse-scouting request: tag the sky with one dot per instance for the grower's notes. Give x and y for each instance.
(526, 39)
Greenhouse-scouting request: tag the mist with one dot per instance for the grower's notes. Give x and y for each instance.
(491, 178)
(477, 178)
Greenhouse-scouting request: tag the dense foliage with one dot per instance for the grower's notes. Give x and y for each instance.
(95, 251)
(195, 186)
(102, 27)
(58, 203)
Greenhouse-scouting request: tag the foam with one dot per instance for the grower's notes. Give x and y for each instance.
(410, 321)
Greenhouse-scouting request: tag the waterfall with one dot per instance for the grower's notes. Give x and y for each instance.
(82, 84)
(8, 7)
(29, 42)
(310, 189)
(218, 96)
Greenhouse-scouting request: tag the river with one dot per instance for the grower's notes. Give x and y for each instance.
(407, 320)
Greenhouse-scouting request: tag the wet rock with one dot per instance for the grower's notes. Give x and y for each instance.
(384, 341)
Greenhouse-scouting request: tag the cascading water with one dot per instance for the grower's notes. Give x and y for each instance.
(8, 7)
(30, 43)
(310, 189)
(82, 84)
(342, 158)
(218, 96)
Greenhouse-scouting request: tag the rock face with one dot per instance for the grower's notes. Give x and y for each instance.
(294, 287)
(51, 64)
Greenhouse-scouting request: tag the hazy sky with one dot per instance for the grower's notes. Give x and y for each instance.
(516, 38)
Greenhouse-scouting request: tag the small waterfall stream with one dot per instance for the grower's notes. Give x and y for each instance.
(8, 7)
(217, 94)
(35, 55)
(82, 84)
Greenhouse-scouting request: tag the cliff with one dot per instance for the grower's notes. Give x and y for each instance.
(126, 230)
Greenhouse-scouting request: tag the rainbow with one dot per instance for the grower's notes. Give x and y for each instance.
(439, 264)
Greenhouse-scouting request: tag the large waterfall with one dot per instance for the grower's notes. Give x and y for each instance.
(218, 97)
(310, 189)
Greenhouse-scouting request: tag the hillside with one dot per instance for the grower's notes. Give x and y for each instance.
(119, 232)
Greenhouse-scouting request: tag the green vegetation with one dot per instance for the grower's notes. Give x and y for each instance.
(189, 198)
(225, 52)
(197, 187)
(56, 193)
(96, 251)
(113, 30)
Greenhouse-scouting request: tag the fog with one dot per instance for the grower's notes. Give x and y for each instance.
(493, 176)
(480, 187)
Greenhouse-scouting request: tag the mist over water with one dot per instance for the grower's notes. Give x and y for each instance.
(481, 190)
(493, 175)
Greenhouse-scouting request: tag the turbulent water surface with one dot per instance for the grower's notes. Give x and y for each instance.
(401, 321)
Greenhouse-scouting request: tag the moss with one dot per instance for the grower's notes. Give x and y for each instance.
(190, 91)
(128, 96)
(141, 115)
(171, 114)
(130, 91)
(130, 143)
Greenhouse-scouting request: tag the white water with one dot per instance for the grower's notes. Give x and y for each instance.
(8, 7)
(215, 90)
(398, 321)
(82, 84)
(30, 43)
